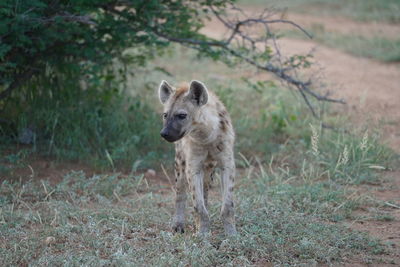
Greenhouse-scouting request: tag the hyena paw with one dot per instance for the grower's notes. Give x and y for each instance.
(230, 229)
(203, 233)
(178, 227)
(204, 230)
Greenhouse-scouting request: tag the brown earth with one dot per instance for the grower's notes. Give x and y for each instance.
(347, 26)
(342, 25)
(371, 90)
(382, 222)
(43, 168)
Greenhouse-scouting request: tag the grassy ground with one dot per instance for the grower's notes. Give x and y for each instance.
(97, 124)
(124, 220)
(296, 185)
(363, 10)
(377, 48)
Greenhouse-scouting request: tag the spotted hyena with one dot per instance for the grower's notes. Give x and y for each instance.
(197, 121)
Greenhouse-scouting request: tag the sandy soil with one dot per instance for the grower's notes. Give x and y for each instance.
(372, 92)
(386, 230)
(44, 168)
(370, 88)
(340, 25)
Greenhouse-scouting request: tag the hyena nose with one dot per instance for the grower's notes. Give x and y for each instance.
(164, 133)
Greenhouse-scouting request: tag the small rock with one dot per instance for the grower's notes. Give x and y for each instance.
(50, 240)
(26, 136)
(150, 173)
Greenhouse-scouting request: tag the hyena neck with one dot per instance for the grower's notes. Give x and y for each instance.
(205, 127)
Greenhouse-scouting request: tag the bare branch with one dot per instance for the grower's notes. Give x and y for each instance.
(81, 19)
(248, 47)
(279, 72)
(67, 17)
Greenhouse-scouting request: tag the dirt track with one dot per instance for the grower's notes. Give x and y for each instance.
(341, 25)
(370, 88)
(372, 92)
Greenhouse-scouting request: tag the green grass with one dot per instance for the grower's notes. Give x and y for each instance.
(295, 187)
(122, 220)
(108, 129)
(364, 10)
(377, 48)
(296, 181)
(98, 125)
(277, 123)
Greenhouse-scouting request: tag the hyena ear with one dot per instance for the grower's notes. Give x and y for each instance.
(198, 93)
(164, 91)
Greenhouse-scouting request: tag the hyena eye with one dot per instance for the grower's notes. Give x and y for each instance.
(182, 116)
(164, 115)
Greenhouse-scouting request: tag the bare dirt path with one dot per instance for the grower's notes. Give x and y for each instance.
(372, 92)
(387, 230)
(348, 26)
(342, 25)
(370, 88)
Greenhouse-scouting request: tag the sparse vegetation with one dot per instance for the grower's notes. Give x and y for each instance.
(363, 10)
(378, 48)
(297, 186)
(103, 128)
(295, 180)
(117, 219)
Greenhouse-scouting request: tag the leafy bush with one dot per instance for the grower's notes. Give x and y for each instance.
(101, 127)
(64, 67)
(87, 35)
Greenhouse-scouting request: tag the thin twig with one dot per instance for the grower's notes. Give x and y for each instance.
(169, 179)
(392, 205)
(250, 45)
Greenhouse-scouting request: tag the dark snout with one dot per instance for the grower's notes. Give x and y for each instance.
(165, 134)
(170, 135)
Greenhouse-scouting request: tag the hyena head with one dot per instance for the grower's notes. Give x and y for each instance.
(180, 108)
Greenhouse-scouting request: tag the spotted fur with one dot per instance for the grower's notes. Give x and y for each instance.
(199, 125)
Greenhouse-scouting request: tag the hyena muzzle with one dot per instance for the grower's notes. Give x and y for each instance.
(199, 125)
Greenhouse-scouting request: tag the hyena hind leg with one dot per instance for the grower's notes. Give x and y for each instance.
(227, 209)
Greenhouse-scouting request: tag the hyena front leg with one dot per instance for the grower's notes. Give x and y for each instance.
(227, 183)
(208, 178)
(178, 222)
(195, 174)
